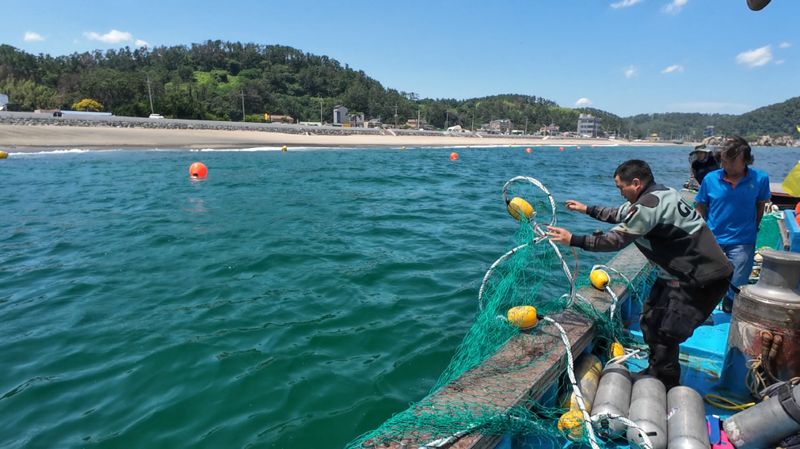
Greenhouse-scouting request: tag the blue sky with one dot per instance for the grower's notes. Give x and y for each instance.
(623, 56)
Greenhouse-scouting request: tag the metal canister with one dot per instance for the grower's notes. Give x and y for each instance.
(649, 411)
(766, 322)
(765, 424)
(613, 397)
(686, 426)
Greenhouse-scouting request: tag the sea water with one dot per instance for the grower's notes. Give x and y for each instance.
(290, 300)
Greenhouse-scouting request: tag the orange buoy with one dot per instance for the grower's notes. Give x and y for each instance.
(560, 148)
(529, 150)
(198, 170)
(453, 156)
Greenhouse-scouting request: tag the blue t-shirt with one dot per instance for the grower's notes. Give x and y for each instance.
(732, 210)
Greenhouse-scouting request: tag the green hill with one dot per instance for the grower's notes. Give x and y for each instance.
(210, 81)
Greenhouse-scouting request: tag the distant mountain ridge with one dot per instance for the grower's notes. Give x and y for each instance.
(211, 81)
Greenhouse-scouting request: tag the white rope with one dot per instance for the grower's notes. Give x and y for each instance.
(448, 440)
(615, 271)
(540, 236)
(491, 269)
(541, 187)
(571, 373)
(622, 358)
(614, 302)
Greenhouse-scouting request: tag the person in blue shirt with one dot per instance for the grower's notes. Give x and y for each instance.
(732, 201)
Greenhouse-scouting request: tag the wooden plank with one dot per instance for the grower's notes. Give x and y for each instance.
(524, 368)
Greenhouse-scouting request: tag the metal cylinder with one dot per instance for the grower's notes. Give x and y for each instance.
(762, 312)
(763, 425)
(649, 411)
(613, 397)
(587, 372)
(686, 427)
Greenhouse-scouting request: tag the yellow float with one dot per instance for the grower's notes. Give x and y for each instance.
(616, 350)
(518, 207)
(571, 424)
(3, 155)
(599, 279)
(524, 317)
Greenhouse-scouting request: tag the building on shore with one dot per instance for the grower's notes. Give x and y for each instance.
(340, 115)
(550, 130)
(417, 124)
(588, 125)
(499, 126)
(275, 118)
(3, 102)
(708, 131)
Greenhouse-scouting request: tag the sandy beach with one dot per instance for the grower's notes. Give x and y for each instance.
(22, 138)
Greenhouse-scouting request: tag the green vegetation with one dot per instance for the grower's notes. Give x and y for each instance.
(208, 81)
(87, 104)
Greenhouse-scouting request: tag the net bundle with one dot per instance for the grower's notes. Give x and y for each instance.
(472, 394)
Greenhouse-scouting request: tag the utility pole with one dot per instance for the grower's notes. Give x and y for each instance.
(395, 116)
(447, 119)
(418, 123)
(243, 116)
(526, 125)
(320, 111)
(150, 94)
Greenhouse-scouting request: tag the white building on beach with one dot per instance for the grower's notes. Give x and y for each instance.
(3, 102)
(588, 125)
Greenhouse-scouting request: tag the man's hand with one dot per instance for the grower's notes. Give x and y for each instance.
(576, 206)
(559, 235)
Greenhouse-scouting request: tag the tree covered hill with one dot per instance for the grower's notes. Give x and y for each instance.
(212, 79)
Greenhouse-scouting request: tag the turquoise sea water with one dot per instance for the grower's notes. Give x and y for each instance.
(291, 300)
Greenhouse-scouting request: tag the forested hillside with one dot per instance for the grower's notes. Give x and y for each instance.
(211, 81)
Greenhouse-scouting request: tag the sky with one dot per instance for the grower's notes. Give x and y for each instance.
(623, 56)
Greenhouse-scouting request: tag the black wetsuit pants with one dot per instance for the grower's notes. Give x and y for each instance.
(669, 316)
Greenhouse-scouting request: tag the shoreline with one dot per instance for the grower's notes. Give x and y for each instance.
(43, 137)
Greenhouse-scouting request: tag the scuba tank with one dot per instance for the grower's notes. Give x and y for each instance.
(587, 373)
(686, 426)
(613, 397)
(765, 424)
(649, 411)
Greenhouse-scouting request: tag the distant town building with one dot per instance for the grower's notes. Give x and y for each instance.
(588, 125)
(500, 126)
(340, 115)
(413, 123)
(275, 118)
(708, 131)
(550, 130)
(355, 120)
(3, 102)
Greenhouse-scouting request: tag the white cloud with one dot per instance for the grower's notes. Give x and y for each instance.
(31, 36)
(625, 3)
(756, 57)
(112, 37)
(583, 102)
(675, 6)
(631, 72)
(780, 61)
(141, 43)
(674, 68)
(784, 44)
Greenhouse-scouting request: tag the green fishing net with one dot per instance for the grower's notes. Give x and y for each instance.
(472, 394)
(769, 235)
